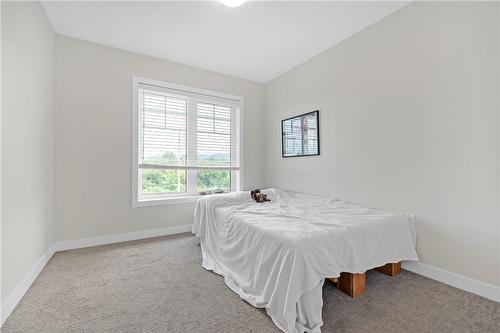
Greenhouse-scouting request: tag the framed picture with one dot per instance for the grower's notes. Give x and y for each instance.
(300, 135)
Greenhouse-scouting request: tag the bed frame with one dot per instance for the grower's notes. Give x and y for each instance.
(354, 284)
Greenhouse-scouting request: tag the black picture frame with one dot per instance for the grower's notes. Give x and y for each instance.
(316, 114)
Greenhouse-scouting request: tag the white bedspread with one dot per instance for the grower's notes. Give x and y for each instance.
(276, 255)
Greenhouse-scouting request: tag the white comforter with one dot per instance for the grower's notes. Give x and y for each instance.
(276, 255)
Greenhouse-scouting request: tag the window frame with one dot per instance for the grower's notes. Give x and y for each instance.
(185, 92)
(316, 114)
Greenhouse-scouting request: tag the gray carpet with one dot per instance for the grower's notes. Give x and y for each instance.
(158, 285)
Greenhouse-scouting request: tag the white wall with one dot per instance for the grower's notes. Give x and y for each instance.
(427, 76)
(27, 140)
(409, 123)
(93, 137)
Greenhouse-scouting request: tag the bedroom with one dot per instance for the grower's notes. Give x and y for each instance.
(120, 120)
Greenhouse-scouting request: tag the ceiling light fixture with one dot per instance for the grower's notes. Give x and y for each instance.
(232, 3)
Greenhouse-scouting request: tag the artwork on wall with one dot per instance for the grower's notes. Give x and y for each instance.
(300, 135)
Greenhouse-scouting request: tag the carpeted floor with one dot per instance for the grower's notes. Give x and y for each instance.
(158, 285)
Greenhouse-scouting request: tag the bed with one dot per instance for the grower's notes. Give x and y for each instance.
(277, 255)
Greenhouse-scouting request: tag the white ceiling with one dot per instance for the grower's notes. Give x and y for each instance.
(257, 41)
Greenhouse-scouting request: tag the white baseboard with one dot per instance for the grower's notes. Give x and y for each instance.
(458, 281)
(23, 286)
(118, 238)
(17, 294)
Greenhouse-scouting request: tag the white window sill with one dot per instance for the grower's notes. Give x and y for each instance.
(166, 201)
(174, 200)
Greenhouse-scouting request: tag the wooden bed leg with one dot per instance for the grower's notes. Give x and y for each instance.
(351, 283)
(390, 269)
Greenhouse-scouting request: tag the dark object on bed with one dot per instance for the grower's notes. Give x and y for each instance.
(258, 196)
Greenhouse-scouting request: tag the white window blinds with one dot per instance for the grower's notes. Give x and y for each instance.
(182, 129)
(187, 141)
(217, 135)
(163, 128)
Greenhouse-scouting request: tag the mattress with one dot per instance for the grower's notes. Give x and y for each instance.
(276, 255)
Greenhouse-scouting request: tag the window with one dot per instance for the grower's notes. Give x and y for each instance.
(185, 141)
